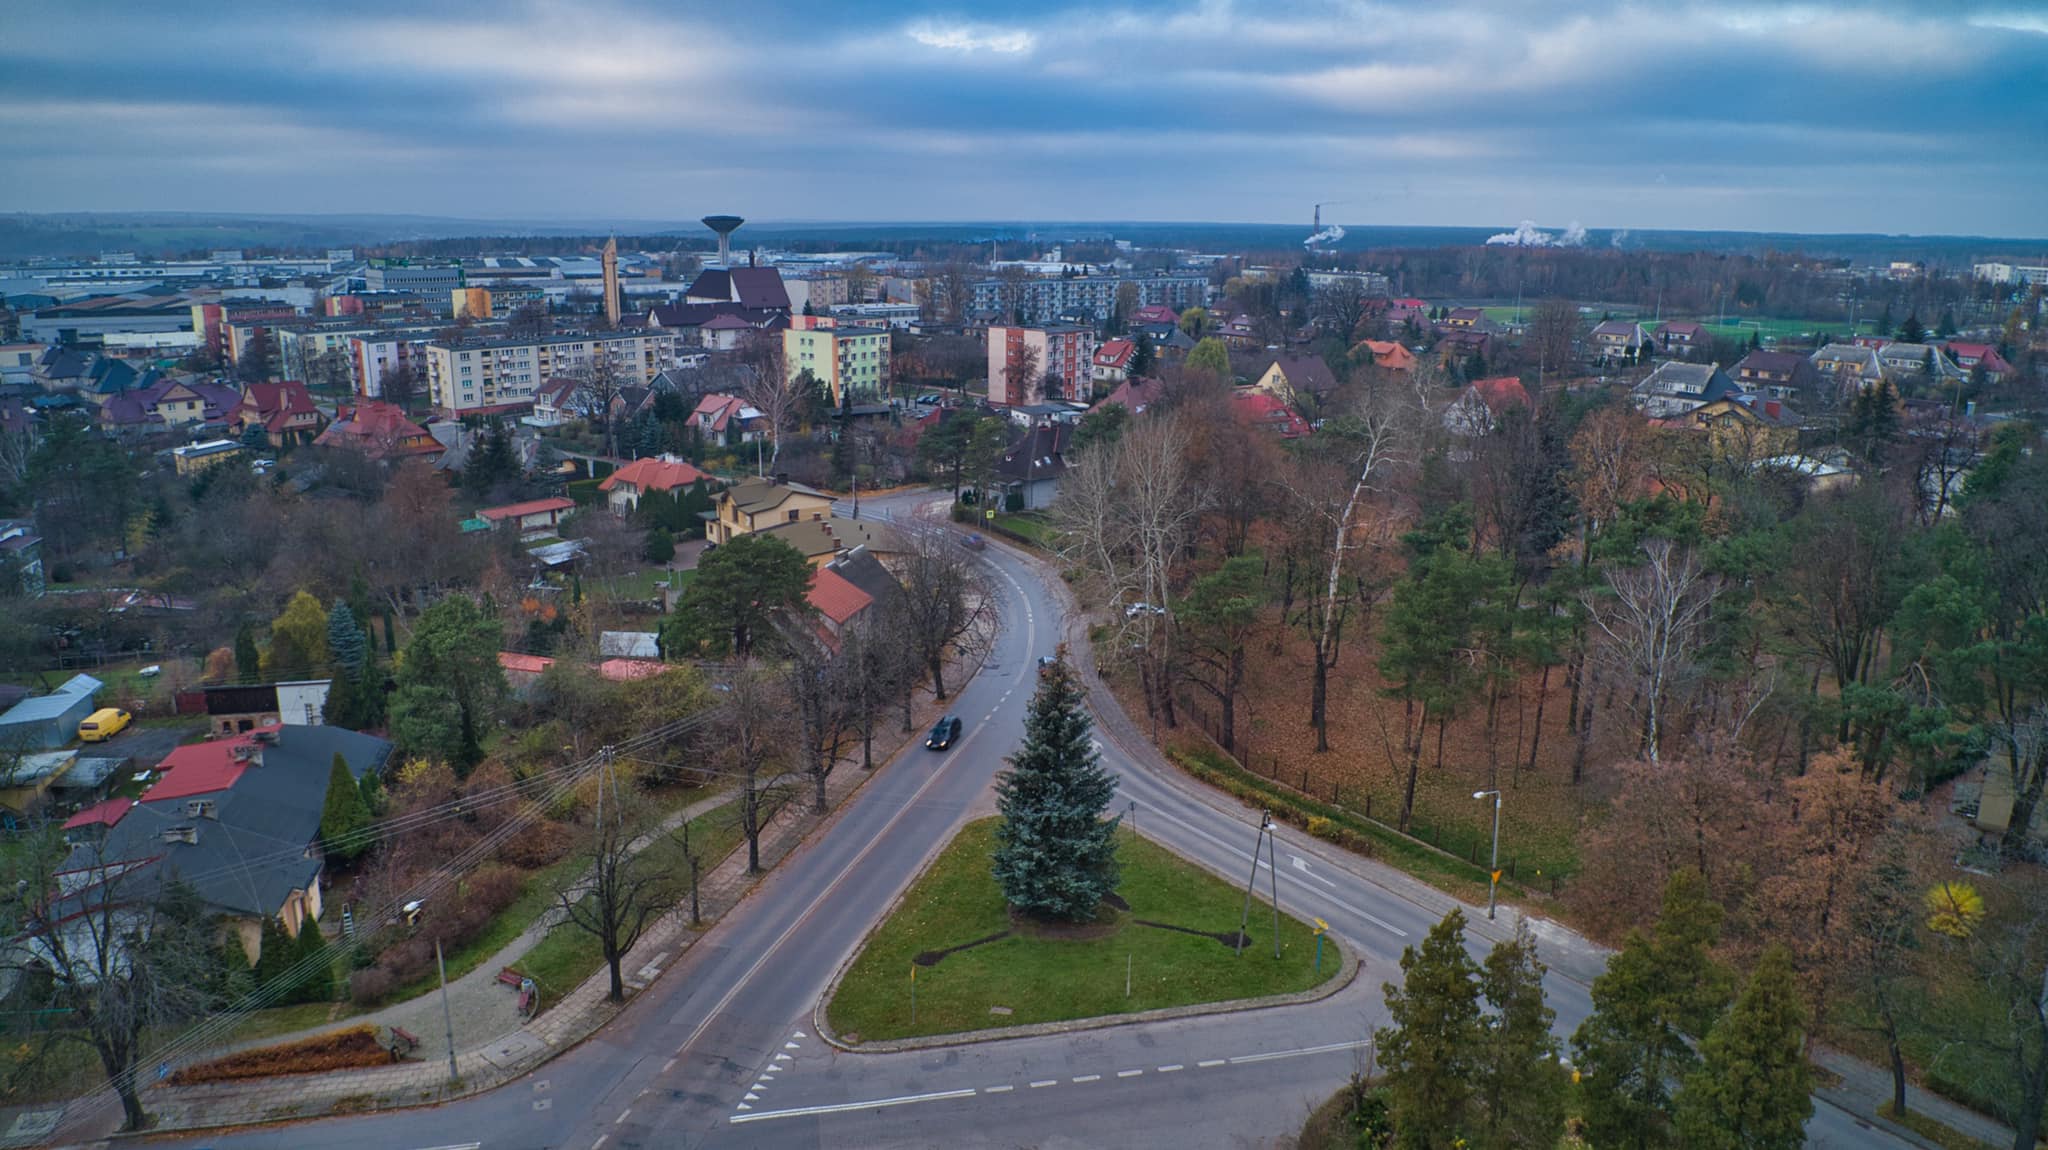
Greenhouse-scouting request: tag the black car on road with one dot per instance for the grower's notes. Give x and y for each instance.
(943, 733)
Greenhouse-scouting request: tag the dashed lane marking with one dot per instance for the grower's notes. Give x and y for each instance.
(1208, 1062)
(668, 1066)
(1045, 1082)
(1172, 1068)
(1274, 1055)
(844, 1107)
(623, 1115)
(1088, 1078)
(997, 1089)
(1128, 1073)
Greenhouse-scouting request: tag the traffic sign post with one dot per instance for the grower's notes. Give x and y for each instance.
(1321, 929)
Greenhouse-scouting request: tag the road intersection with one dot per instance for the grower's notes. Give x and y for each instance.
(723, 1050)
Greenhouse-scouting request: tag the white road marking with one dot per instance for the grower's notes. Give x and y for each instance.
(1128, 1073)
(1045, 1082)
(768, 1077)
(997, 1089)
(799, 1034)
(844, 1107)
(1239, 852)
(781, 1058)
(791, 1046)
(1171, 1069)
(741, 1106)
(593, 1145)
(1270, 1056)
(623, 1115)
(1089, 1078)
(668, 1066)
(761, 1085)
(468, 1146)
(1301, 864)
(544, 1104)
(1211, 1062)
(750, 1096)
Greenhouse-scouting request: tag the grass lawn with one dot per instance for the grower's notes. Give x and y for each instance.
(1041, 979)
(560, 962)
(1031, 526)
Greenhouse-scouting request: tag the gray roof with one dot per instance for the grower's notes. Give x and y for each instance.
(629, 645)
(43, 708)
(860, 568)
(258, 846)
(1705, 382)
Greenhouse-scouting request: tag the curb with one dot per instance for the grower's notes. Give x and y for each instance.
(1350, 965)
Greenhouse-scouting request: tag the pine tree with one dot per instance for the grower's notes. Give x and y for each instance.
(279, 954)
(344, 819)
(1946, 327)
(1911, 331)
(1430, 1052)
(347, 647)
(1752, 1090)
(1055, 854)
(1658, 989)
(317, 963)
(1520, 1083)
(248, 660)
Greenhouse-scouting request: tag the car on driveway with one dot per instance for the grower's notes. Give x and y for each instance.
(944, 733)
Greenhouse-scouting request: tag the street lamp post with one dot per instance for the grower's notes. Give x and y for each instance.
(1493, 868)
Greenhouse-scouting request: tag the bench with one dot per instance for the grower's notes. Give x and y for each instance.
(403, 1042)
(510, 977)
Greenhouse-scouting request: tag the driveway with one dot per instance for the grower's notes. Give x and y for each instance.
(146, 745)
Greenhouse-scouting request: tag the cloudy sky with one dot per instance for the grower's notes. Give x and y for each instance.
(1927, 117)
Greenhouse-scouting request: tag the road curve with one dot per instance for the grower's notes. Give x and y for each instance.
(720, 1051)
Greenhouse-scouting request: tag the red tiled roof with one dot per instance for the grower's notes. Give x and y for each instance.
(530, 507)
(654, 475)
(835, 597)
(377, 429)
(1115, 353)
(102, 814)
(1501, 392)
(719, 409)
(630, 670)
(1264, 409)
(199, 769)
(276, 404)
(529, 664)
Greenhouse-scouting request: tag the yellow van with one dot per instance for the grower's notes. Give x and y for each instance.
(103, 724)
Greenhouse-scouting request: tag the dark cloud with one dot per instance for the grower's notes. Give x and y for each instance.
(1843, 116)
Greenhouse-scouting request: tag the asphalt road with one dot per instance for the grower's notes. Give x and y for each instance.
(721, 1051)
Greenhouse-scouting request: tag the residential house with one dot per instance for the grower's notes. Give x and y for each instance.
(1816, 473)
(1267, 412)
(1386, 354)
(1151, 314)
(1133, 395)
(1458, 345)
(532, 517)
(1463, 317)
(624, 487)
(1032, 466)
(1618, 340)
(1676, 388)
(22, 550)
(629, 645)
(1296, 378)
(381, 431)
(1848, 365)
(1970, 356)
(168, 405)
(822, 540)
(724, 332)
(728, 420)
(193, 458)
(1743, 426)
(1779, 374)
(1168, 339)
(26, 778)
(523, 671)
(835, 603)
(238, 819)
(754, 504)
(18, 362)
(46, 722)
(1478, 409)
(284, 410)
(1112, 364)
(629, 670)
(1061, 357)
(1915, 361)
(557, 402)
(1683, 338)
(846, 359)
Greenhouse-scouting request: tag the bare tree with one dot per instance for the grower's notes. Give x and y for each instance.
(112, 947)
(778, 397)
(821, 682)
(625, 888)
(17, 448)
(1651, 624)
(1554, 334)
(599, 382)
(947, 605)
(757, 737)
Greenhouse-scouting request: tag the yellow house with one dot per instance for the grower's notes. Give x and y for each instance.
(753, 504)
(1752, 430)
(1294, 377)
(194, 458)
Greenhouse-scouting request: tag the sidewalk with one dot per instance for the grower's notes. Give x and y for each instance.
(1862, 1089)
(493, 1046)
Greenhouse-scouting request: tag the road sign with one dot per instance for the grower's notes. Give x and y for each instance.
(1496, 878)
(1321, 926)
(990, 514)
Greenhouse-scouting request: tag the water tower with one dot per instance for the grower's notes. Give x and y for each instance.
(725, 226)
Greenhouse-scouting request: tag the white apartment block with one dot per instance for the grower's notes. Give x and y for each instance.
(491, 375)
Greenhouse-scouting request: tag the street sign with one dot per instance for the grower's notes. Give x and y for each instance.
(990, 514)
(1321, 926)
(1496, 878)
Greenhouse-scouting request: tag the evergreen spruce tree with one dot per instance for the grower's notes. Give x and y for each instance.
(1520, 1082)
(248, 660)
(1752, 1090)
(1430, 1053)
(278, 952)
(369, 696)
(372, 788)
(344, 818)
(347, 646)
(1946, 327)
(1660, 988)
(1055, 854)
(319, 984)
(1911, 331)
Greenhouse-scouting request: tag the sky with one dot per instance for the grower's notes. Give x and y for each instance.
(1928, 117)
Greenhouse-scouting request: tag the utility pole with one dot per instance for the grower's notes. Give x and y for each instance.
(1493, 869)
(1269, 842)
(447, 1016)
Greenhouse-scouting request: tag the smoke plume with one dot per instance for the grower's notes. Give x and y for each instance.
(1528, 235)
(1329, 235)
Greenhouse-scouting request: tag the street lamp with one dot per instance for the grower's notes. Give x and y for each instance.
(1493, 870)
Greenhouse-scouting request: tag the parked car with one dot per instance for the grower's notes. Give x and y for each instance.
(1134, 610)
(973, 541)
(1046, 663)
(103, 724)
(944, 732)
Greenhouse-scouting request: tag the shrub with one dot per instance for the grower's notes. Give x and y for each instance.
(539, 845)
(371, 985)
(1325, 829)
(347, 1049)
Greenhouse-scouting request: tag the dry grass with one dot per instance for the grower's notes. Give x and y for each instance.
(349, 1049)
